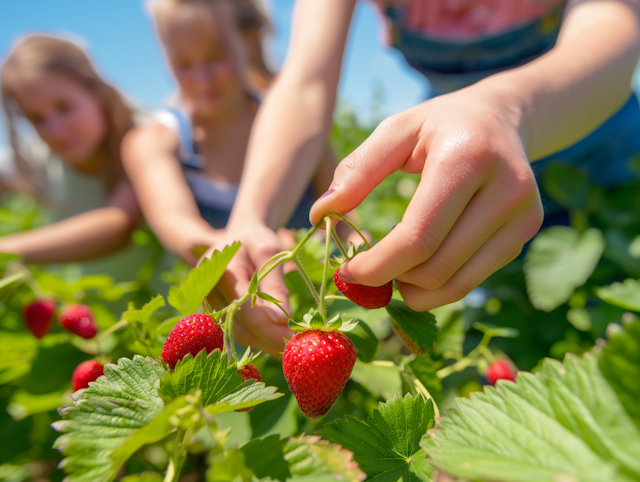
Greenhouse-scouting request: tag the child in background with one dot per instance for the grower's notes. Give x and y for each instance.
(187, 165)
(82, 119)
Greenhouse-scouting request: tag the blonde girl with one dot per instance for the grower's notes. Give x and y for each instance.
(51, 83)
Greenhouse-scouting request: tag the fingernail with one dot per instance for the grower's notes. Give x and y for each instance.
(328, 193)
(345, 276)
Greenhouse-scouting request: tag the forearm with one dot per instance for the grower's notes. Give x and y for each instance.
(287, 143)
(567, 93)
(86, 236)
(183, 233)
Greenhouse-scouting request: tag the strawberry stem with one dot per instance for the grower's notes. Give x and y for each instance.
(307, 280)
(337, 240)
(325, 269)
(352, 226)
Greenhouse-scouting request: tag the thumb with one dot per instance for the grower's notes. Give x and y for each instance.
(384, 152)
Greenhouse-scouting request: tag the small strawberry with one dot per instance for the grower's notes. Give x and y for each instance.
(410, 344)
(500, 370)
(192, 334)
(317, 365)
(38, 316)
(369, 297)
(248, 372)
(86, 372)
(78, 319)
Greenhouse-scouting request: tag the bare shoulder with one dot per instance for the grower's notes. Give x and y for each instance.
(148, 140)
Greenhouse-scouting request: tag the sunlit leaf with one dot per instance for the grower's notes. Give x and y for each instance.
(387, 446)
(201, 280)
(564, 423)
(142, 315)
(625, 295)
(113, 418)
(620, 364)
(219, 383)
(421, 328)
(559, 260)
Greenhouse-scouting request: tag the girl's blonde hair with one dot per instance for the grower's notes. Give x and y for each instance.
(53, 55)
(249, 18)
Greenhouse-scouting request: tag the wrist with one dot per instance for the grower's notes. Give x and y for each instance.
(510, 101)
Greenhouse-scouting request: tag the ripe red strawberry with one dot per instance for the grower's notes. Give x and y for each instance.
(38, 316)
(500, 370)
(248, 372)
(192, 334)
(366, 296)
(317, 365)
(78, 319)
(84, 373)
(413, 348)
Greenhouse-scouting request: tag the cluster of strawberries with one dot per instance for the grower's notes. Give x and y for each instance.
(317, 362)
(76, 318)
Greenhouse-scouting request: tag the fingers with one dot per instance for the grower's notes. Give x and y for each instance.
(501, 248)
(482, 217)
(441, 197)
(267, 337)
(383, 153)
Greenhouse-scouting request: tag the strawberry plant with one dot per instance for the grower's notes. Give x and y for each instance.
(146, 399)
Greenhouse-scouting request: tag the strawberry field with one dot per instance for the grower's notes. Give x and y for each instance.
(534, 376)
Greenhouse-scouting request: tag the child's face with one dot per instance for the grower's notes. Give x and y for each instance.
(206, 54)
(65, 115)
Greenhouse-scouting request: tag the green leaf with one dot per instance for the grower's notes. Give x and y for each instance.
(7, 280)
(144, 477)
(625, 295)
(17, 352)
(421, 328)
(559, 260)
(112, 419)
(387, 446)
(620, 365)
(305, 456)
(142, 315)
(253, 284)
(567, 185)
(365, 342)
(201, 280)
(425, 371)
(564, 423)
(267, 297)
(220, 383)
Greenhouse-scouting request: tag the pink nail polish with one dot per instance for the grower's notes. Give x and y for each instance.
(345, 276)
(328, 193)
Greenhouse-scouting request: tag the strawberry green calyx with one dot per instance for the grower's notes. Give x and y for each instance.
(313, 321)
(247, 358)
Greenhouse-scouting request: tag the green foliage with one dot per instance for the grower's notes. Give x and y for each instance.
(620, 365)
(387, 446)
(421, 328)
(567, 185)
(304, 458)
(365, 342)
(559, 260)
(625, 295)
(187, 297)
(565, 422)
(110, 420)
(218, 382)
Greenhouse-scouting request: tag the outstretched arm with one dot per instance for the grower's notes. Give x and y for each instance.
(477, 202)
(168, 205)
(86, 236)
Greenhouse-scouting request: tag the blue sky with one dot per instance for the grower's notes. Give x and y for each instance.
(120, 38)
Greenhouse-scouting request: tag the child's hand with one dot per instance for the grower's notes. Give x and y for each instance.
(264, 326)
(476, 205)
